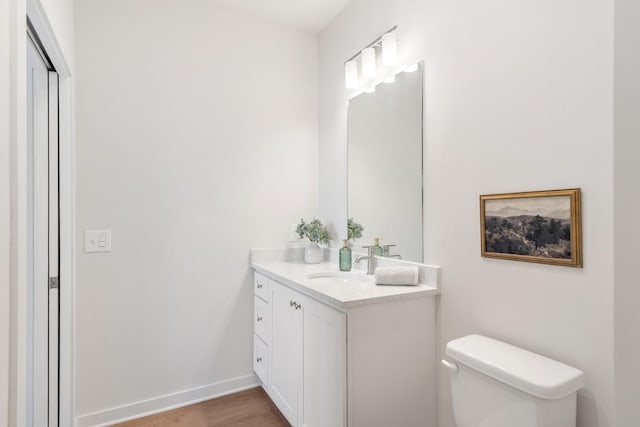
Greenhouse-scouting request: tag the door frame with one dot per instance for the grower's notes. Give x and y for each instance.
(42, 27)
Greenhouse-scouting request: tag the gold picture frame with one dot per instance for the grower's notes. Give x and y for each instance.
(535, 226)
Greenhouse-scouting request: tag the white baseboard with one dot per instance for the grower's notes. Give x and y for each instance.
(164, 403)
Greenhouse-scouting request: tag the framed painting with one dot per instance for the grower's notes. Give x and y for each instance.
(536, 226)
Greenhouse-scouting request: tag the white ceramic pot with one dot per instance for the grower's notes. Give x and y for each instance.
(313, 254)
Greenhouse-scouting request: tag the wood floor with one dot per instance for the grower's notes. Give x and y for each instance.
(250, 408)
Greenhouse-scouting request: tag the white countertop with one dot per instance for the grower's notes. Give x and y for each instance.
(293, 272)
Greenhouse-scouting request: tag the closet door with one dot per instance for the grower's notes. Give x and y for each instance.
(42, 240)
(54, 254)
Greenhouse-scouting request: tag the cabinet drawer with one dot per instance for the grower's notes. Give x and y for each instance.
(261, 286)
(262, 319)
(261, 360)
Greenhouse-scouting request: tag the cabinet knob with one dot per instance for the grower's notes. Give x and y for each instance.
(259, 319)
(259, 359)
(292, 303)
(259, 285)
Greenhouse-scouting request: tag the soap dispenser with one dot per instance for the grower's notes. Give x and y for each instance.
(377, 249)
(345, 256)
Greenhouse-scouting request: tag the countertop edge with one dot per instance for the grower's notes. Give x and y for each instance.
(422, 292)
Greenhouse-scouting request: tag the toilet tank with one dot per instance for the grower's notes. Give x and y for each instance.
(494, 384)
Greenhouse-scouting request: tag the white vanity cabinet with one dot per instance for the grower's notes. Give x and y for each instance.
(370, 365)
(307, 354)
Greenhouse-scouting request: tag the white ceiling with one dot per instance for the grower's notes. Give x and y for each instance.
(308, 15)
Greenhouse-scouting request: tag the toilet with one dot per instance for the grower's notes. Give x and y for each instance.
(494, 384)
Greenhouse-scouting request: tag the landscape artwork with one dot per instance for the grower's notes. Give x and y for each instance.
(539, 226)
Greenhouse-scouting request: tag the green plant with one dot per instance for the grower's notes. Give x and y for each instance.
(315, 231)
(354, 230)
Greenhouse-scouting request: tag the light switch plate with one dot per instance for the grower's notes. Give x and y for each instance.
(97, 241)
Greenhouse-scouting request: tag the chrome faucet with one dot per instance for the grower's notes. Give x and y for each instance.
(371, 264)
(387, 252)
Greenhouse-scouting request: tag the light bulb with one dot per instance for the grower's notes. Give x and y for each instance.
(351, 74)
(389, 49)
(368, 63)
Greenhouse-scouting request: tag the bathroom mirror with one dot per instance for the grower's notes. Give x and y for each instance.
(385, 164)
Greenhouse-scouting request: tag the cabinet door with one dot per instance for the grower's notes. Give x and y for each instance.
(286, 350)
(324, 366)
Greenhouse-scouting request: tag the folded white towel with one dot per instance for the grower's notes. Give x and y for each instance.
(396, 276)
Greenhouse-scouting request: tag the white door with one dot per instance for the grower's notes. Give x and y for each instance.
(286, 351)
(324, 401)
(43, 240)
(54, 254)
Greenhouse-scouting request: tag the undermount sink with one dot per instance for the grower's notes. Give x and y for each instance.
(340, 277)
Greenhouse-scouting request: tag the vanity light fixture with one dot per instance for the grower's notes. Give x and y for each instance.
(370, 89)
(385, 47)
(369, 63)
(351, 74)
(389, 49)
(390, 79)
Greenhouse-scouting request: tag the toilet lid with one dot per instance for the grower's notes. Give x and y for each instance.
(529, 372)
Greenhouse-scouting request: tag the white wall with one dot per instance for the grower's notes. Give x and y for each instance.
(518, 97)
(627, 206)
(5, 212)
(196, 141)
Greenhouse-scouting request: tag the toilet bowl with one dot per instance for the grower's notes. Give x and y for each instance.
(494, 384)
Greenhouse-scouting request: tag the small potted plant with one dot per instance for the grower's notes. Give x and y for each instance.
(317, 234)
(354, 230)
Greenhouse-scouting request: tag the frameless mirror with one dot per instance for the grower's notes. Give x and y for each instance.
(385, 164)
